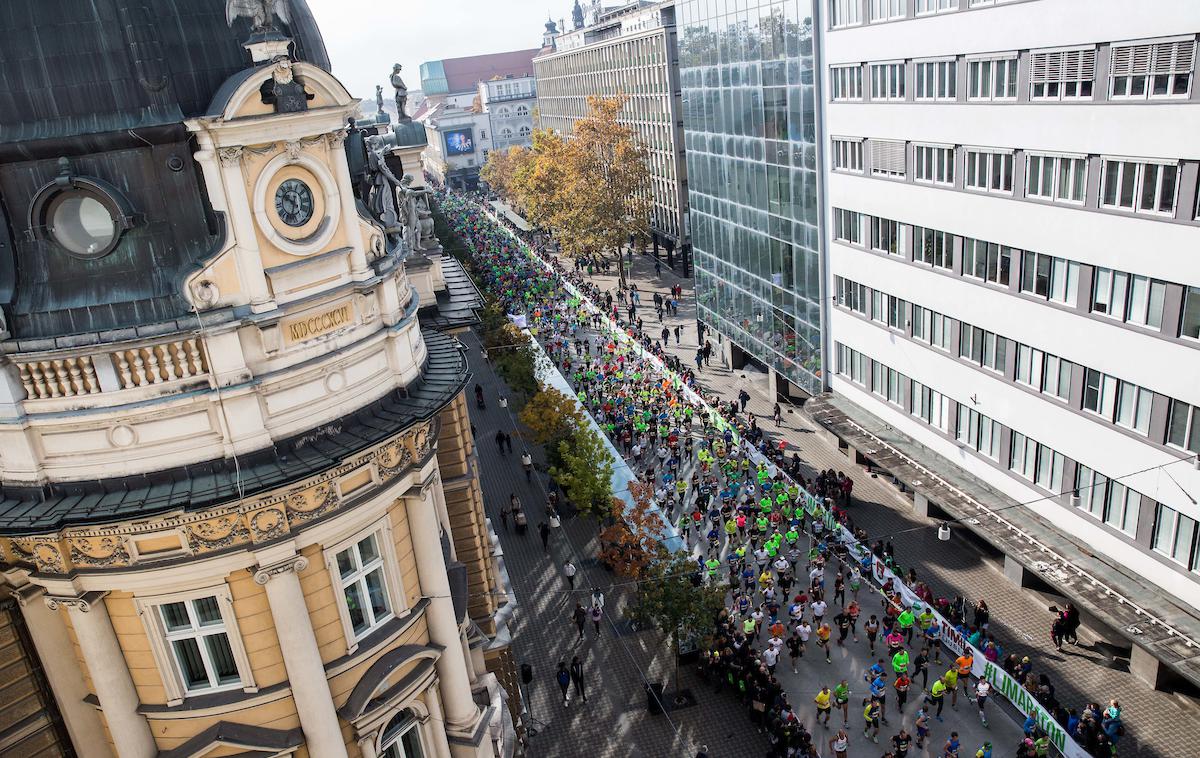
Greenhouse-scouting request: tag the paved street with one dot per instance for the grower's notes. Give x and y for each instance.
(1158, 724)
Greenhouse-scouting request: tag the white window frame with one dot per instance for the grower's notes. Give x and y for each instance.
(931, 327)
(1107, 500)
(848, 154)
(847, 220)
(1062, 283)
(843, 13)
(1169, 58)
(889, 158)
(1036, 462)
(160, 639)
(1164, 514)
(1122, 403)
(1044, 372)
(886, 10)
(386, 545)
(1121, 165)
(1128, 298)
(981, 164)
(846, 83)
(1189, 427)
(387, 741)
(1059, 70)
(1190, 318)
(930, 406)
(976, 67)
(887, 236)
(929, 7)
(935, 80)
(933, 164)
(944, 247)
(887, 81)
(982, 348)
(973, 248)
(979, 432)
(1045, 178)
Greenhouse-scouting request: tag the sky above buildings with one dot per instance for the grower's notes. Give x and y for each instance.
(365, 37)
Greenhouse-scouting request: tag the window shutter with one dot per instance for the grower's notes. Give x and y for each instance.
(1037, 67)
(1132, 60)
(887, 155)
(1054, 67)
(1176, 57)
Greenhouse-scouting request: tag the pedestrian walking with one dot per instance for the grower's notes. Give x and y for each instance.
(596, 615)
(503, 401)
(563, 677)
(504, 511)
(579, 616)
(508, 441)
(743, 398)
(569, 571)
(577, 678)
(597, 598)
(527, 464)
(500, 441)
(544, 531)
(678, 331)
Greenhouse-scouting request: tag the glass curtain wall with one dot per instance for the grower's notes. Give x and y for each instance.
(747, 72)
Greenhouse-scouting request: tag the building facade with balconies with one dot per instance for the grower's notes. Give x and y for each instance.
(238, 503)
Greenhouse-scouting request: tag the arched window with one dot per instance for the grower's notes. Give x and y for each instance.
(523, 131)
(506, 133)
(503, 111)
(402, 737)
(522, 110)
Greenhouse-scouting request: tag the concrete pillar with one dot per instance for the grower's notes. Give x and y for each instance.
(1014, 571)
(441, 746)
(1145, 666)
(920, 505)
(301, 658)
(241, 217)
(110, 675)
(461, 713)
(366, 746)
(57, 655)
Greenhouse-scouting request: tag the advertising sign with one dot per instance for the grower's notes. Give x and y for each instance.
(460, 142)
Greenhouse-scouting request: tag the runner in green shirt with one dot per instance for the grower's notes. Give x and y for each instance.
(841, 699)
(906, 621)
(900, 662)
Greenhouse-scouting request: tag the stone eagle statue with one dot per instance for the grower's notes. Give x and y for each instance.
(262, 13)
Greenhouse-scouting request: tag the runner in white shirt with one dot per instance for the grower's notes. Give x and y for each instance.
(804, 629)
(818, 609)
(770, 657)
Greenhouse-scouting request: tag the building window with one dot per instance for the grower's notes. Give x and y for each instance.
(1175, 536)
(1183, 426)
(522, 110)
(852, 295)
(988, 261)
(985, 348)
(978, 432)
(931, 406)
(1162, 69)
(847, 226)
(195, 642)
(933, 247)
(523, 131)
(1123, 403)
(936, 80)
(935, 6)
(934, 164)
(1044, 372)
(992, 78)
(897, 309)
(1053, 278)
(887, 158)
(365, 567)
(1127, 297)
(989, 171)
(1061, 178)
(847, 155)
(885, 10)
(1062, 74)
(886, 236)
(1140, 187)
(199, 643)
(931, 327)
(879, 306)
(401, 738)
(1108, 500)
(845, 12)
(1189, 322)
(851, 363)
(846, 82)
(887, 81)
(1036, 462)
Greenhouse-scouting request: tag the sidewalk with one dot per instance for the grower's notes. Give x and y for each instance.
(614, 722)
(1157, 723)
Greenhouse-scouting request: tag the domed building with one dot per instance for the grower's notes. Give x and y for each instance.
(238, 507)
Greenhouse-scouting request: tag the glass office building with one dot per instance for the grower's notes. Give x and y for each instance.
(750, 132)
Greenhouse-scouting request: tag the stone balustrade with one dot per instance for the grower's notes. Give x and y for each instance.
(64, 375)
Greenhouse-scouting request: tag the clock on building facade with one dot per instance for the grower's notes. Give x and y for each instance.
(294, 202)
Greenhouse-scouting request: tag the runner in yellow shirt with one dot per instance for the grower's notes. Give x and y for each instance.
(822, 701)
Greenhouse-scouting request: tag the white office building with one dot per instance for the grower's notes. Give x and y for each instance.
(1013, 269)
(509, 103)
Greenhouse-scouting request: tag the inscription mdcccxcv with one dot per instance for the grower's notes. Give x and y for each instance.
(317, 324)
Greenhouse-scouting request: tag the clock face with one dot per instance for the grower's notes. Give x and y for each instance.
(294, 202)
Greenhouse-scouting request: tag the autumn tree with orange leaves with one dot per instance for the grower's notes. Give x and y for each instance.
(634, 538)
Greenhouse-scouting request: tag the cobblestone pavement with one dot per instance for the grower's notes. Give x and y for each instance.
(614, 722)
(1158, 724)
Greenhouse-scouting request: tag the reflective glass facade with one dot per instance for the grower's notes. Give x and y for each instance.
(749, 119)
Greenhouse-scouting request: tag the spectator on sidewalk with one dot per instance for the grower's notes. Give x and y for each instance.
(569, 572)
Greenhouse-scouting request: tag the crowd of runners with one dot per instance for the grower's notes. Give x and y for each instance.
(747, 515)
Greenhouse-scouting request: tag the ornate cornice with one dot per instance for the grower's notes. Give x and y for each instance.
(296, 563)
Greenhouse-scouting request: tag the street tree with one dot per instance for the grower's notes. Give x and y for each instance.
(635, 534)
(551, 418)
(510, 350)
(541, 180)
(672, 599)
(585, 471)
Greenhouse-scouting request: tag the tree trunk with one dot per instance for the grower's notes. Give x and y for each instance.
(621, 281)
